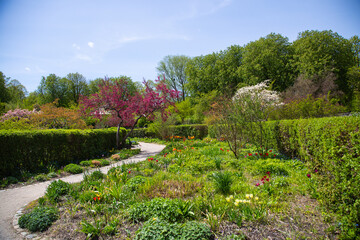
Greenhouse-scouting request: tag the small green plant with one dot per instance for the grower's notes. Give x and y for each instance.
(56, 189)
(166, 209)
(156, 229)
(134, 183)
(104, 162)
(92, 230)
(39, 219)
(95, 176)
(52, 175)
(218, 163)
(222, 181)
(85, 163)
(41, 177)
(73, 168)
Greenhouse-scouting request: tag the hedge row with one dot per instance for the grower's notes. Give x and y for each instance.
(332, 147)
(199, 131)
(35, 150)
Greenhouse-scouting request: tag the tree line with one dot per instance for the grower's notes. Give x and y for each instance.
(316, 58)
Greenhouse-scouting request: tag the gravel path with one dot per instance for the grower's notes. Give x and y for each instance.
(12, 200)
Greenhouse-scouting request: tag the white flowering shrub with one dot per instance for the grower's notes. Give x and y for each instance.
(17, 114)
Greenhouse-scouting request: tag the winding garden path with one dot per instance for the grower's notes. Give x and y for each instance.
(12, 200)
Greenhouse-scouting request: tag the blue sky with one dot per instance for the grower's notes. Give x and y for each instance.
(111, 38)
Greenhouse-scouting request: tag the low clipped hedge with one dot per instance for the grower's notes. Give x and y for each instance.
(34, 150)
(199, 131)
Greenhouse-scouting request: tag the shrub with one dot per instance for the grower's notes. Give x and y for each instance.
(39, 219)
(85, 163)
(41, 177)
(134, 183)
(73, 168)
(56, 189)
(104, 162)
(95, 176)
(158, 229)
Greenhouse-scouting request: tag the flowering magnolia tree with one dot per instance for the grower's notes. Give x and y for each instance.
(118, 102)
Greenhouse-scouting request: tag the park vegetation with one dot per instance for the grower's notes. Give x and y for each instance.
(262, 141)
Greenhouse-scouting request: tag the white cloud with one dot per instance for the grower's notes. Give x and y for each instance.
(76, 46)
(28, 69)
(83, 57)
(91, 44)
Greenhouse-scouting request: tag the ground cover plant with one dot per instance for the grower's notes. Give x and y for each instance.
(195, 189)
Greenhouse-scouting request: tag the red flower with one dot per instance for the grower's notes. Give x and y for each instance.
(267, 154)
(98, 198)
(228, 150)
(129, 171)
(267, 179)
(268, 173)
(256, 154)
(308, 175)
(258, 184)
(94, 198)
(270, 151)
(156, 160)
(250, 154)
(316, 170)
(274, 155)
(260, 154)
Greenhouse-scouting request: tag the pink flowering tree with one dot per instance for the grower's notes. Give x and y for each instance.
(120, 104)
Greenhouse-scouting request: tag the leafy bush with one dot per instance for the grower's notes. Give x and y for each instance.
(134, 183)
(95, 175)
(39, 219)
(85, 163)
(166, 209)
(73, 168)
(41, 177)
(158, 229)
(104, 162)
(56, 189)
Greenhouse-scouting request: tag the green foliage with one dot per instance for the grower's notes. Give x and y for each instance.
(56, 189)
(86, 163)
(42, 148)
(331, 146)
(216, 71)
(39, 219)
(274, 166)
(268, 58)
(166, 209)
(173, 69)
(134, 183)
(73, 168)
(316, 52)
(159, 229)
(222, 182)
(308, 107)
(95, 176)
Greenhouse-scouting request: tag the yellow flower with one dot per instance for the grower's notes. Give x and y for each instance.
(228, 199)
(247, 196)
(236, 203)
(231, 196)
(256, 198)
(154, 219)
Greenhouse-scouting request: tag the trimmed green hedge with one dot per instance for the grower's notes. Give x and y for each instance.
(199, 131)
(34, 150)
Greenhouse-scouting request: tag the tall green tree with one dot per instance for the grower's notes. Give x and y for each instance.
(173, 68)
(268, 58)
(17, 91)
(355, 41)
(4, 94)
(77, 86)
(216, 71)
(53, 87)
(317, 52)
